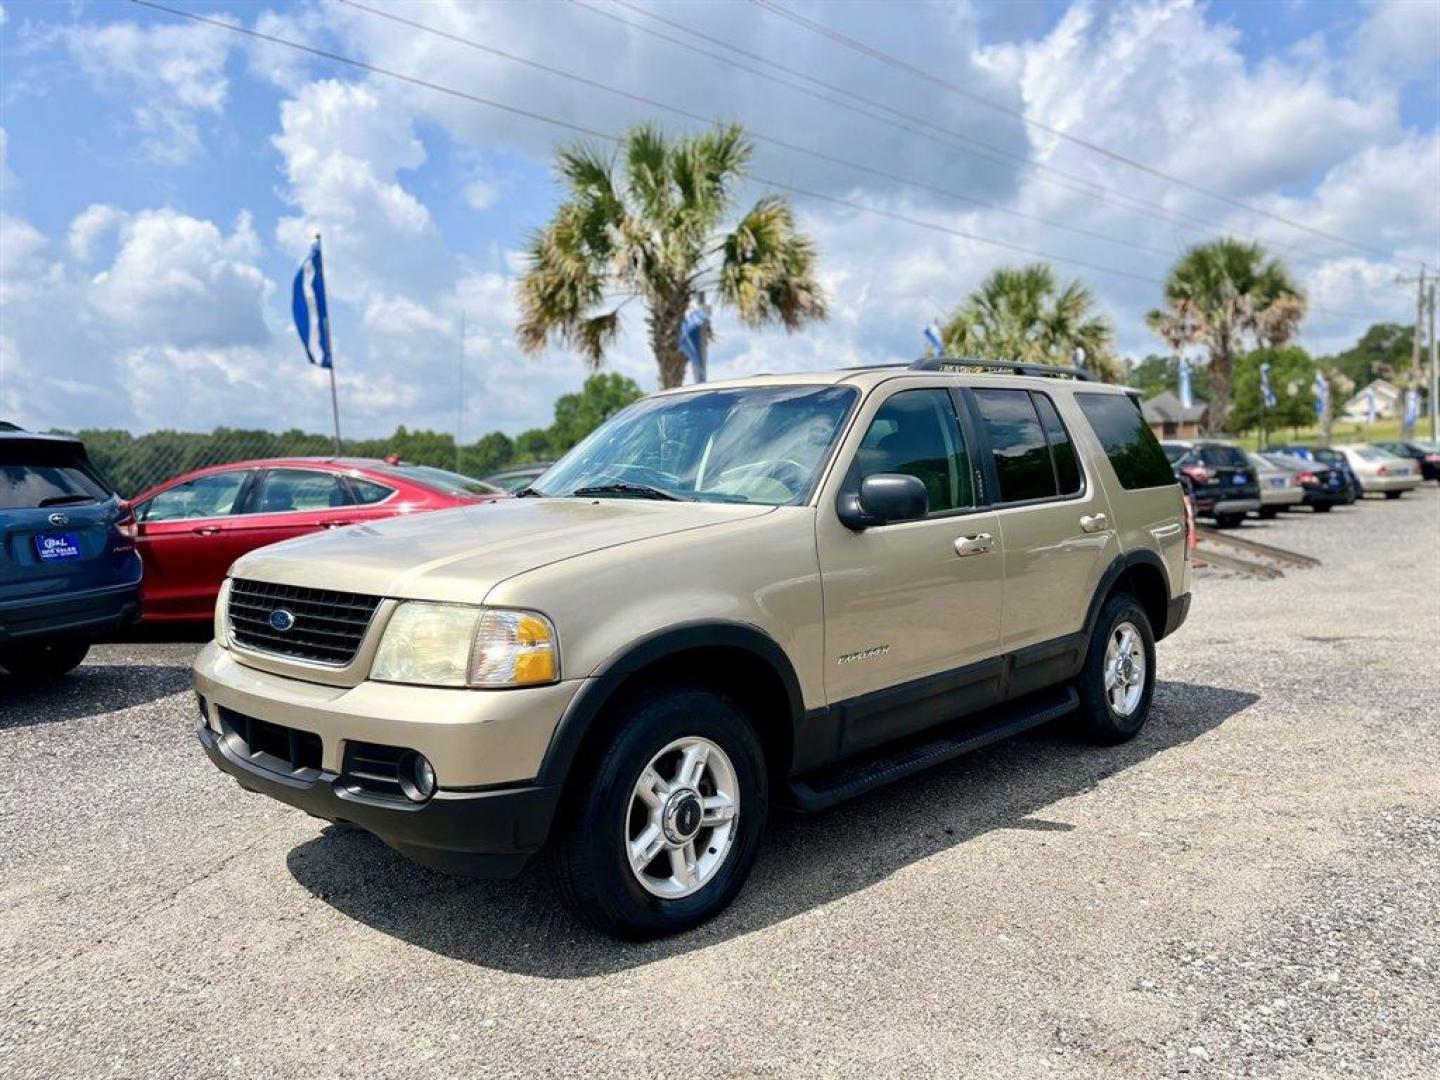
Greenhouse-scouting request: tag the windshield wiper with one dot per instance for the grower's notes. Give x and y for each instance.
(529, 493)
(644, 491)
(59, 500)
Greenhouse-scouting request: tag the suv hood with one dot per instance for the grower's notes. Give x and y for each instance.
(459, 555)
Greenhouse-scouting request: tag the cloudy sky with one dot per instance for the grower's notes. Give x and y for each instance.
(160, 179)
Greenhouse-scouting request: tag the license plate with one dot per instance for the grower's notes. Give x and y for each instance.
(1240, 478)
(1278, 482)
(57, 547)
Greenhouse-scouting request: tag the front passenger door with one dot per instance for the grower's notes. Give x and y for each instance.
(912, 609)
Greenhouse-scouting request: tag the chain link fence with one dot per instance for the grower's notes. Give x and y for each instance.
(132, 463)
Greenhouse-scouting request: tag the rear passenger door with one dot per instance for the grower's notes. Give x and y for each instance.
(1055, 528)
(291, 502)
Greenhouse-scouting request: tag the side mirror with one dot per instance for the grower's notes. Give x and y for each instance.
(884, 498)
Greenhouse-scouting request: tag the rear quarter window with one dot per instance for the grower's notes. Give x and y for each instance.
(1131, 446)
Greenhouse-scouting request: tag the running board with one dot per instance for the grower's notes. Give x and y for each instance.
(834, 784)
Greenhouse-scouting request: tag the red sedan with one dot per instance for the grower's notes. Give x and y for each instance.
(190, 529)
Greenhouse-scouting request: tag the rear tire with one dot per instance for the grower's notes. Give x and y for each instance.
(606, 821)
(1393, 494)
(1228, 521)
(1115, 695)
(1323, 508)
(1268, 513)
(44, 661)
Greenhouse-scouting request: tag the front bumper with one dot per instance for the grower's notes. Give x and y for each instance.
(91, 613)
(482, 833)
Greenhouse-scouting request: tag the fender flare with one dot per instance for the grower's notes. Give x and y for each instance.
(1112, 574)
(601, 686)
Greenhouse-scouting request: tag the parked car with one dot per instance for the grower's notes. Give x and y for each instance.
(1381, 471)
(68, 568)
(1223, 483)
(1327, 456)
(1280, 487)
(1425, 456)
(520, 477)
(191, 528)
(1322, 487)
(732, 595)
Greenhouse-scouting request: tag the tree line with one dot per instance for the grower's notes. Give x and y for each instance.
(132, 463)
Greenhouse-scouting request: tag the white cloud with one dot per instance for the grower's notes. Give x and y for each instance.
(92, 224)
(172, 73)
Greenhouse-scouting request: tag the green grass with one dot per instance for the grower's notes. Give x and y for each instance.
(1344, 431)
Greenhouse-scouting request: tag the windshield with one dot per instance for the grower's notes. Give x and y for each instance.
(762, 445)
(452, 483)
(1174, 453)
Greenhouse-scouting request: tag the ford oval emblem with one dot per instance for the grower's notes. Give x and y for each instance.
(281, 620)
(59, 519)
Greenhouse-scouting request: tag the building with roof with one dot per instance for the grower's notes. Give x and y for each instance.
(1171, 420)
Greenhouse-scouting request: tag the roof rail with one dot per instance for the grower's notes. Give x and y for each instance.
(1013, 367)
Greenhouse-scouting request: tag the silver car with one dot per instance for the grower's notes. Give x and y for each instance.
(1381, 471)
(1279, 487)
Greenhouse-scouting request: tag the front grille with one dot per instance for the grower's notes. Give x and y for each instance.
(271, 746)
(328, 626)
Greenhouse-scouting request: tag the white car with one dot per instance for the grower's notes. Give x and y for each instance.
(1379, 470)
(1279, 487)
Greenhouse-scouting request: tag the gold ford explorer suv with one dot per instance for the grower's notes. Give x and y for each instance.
(782, 590)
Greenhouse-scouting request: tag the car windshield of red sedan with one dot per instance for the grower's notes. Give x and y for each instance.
(761, 445)
(451, 483)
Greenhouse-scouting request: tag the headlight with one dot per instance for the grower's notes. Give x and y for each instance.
(456, 645)
(222, 615)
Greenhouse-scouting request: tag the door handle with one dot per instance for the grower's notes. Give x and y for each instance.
(978, 544)
(205, 530)
(1092, 523)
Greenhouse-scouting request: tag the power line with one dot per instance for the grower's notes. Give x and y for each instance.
(529, 114)
(920, 73)
(758, 136)
(947, 137)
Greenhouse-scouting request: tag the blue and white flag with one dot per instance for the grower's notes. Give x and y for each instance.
(1322, 393)
(1265, 392)
(1412, 407)
(692, 340)
(932, 335)
(1370, 407)
(1187, 395)
(312, 317)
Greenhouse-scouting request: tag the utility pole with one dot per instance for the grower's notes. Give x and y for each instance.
(460, 403)
(1423, 295)
(1434, 373)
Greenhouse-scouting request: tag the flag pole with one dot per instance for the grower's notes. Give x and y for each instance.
(334, 395)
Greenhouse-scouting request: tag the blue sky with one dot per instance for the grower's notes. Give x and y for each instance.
(160, 178)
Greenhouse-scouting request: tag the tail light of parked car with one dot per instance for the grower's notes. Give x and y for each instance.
(1306, 478)
(1198, 474)
(126, 527)
(1192, 538)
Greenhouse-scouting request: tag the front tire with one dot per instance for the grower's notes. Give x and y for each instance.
(1118, 679)
(1322, 508)
(1393, 494)
(44, 661)
(662, 834)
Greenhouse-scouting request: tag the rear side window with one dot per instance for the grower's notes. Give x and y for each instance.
(1017, 443)
(33, 476)
(1062, 450)
(915, 432)
(301, 489)
(1131, 446)
(368, 493)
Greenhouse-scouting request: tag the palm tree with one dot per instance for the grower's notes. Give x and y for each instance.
(1019, 313)
(1219, 295)
(646, 223)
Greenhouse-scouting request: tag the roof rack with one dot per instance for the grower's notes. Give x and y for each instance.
(1013, 367)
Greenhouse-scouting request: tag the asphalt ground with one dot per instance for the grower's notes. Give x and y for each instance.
(1250, 888)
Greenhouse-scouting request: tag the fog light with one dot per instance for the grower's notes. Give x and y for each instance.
(417, 777)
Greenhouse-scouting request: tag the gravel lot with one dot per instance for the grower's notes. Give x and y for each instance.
(1251, 888)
